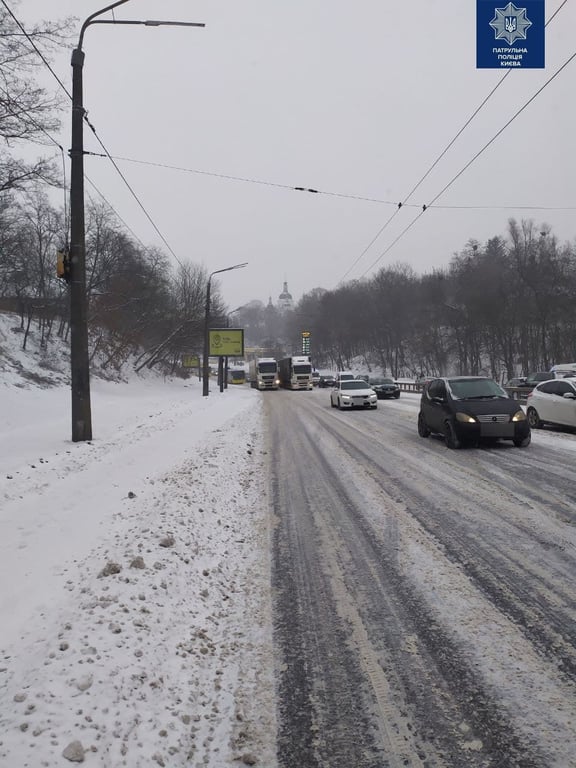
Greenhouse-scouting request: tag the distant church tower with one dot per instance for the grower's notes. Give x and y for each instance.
(285, 299)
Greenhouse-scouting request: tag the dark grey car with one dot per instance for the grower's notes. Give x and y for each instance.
(467, 409)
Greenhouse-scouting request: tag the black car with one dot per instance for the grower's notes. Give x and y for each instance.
(535, 378)
(465, 409)
(385, 388)
(326, 381)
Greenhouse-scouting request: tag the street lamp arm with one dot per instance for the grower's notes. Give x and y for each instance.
(151, 22)
(90, 18)
(227, 269)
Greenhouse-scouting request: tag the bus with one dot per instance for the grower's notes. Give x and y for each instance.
(236, 376)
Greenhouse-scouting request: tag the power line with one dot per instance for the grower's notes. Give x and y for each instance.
(115, 212)
(472, 116)
(41, 128)
(504, 207)
(249, 180)
(93, 129)
(132, 192)
(514, 116)
(38, 51)
(440, 156)
(476, 156)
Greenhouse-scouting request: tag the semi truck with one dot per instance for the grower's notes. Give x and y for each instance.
(263, 373)
(295, 372)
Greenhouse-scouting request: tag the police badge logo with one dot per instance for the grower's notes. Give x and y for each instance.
(510, 23)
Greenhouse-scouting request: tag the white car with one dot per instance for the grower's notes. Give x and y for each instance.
(552, 402)
(353, 393)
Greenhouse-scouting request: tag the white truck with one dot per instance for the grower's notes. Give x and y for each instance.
(295, 372)
(263, 373)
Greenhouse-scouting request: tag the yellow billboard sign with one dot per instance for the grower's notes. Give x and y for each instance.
(226, 342)
(190, 361)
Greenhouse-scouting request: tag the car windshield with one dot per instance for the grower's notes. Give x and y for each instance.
(472, 389)
(386, 381)
(355, 384)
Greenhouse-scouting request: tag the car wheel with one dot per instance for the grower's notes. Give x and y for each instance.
(339, 405)
(423, 430)
(332, 403)
(397, 395)
(524, 443)
(450, 436)
(534, 419)
(373, 407)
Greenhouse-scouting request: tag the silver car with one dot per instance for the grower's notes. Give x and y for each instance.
(353, 393)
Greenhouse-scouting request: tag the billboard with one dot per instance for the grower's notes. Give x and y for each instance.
(226, 342)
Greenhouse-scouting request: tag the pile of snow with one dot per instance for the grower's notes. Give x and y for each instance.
(134, 577)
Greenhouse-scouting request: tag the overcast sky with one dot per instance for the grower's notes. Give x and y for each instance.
(351, 99)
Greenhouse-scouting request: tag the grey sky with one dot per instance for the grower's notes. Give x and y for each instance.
(347, 98)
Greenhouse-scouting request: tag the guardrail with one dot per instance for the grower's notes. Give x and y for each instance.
(517, 393)
(409, 386)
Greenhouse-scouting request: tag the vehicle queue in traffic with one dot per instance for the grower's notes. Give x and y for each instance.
(469, 410)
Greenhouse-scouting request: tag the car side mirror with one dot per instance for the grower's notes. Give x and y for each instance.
(569, 395)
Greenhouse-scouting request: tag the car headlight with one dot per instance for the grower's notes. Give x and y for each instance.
(519, 416)
(345, 397)
(465, 418)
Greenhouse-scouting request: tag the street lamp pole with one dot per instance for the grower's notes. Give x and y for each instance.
(79, 358)
(205, 365)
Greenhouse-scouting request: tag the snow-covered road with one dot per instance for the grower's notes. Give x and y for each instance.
(436, 585)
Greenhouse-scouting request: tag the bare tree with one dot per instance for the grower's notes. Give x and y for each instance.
(28, 113)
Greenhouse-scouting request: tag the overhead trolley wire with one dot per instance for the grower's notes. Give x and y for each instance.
(248, 180)
(437, 160)
(498, 133)
(473, 159)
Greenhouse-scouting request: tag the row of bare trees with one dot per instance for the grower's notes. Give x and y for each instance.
(500, 309)
(137, 300)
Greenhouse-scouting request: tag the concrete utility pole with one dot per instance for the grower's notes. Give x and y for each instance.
(79, 357)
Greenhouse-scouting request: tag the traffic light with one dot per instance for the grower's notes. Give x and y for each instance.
(63, 265)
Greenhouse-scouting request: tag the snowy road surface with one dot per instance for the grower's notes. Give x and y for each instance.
(424, 598)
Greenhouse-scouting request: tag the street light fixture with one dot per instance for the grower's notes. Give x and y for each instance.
(205, 366)
(79, 358)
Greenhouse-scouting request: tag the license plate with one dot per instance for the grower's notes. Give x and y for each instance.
(496, 430)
